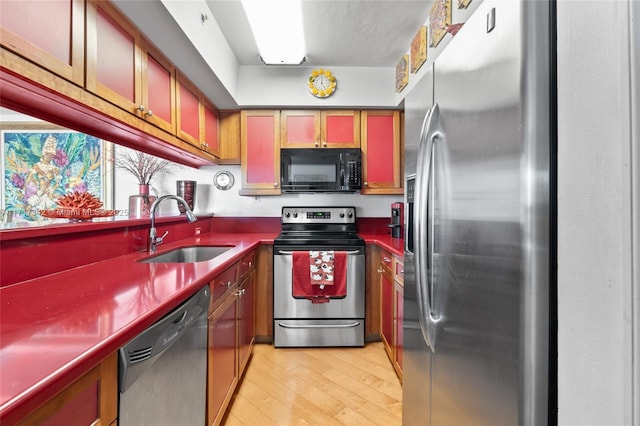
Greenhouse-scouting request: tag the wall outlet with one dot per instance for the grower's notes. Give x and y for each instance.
(198, 232)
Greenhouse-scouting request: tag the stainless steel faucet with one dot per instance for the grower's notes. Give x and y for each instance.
(154, 240)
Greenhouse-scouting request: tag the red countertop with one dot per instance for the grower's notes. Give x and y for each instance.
(394, 245)
(55, 328)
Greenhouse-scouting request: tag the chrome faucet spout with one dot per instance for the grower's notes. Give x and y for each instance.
(154, 240)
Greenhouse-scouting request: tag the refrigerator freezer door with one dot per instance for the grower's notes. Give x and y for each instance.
(416, 106)
(490, 213)
(416, 353)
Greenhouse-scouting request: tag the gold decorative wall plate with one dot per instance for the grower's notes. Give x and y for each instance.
(322, 83)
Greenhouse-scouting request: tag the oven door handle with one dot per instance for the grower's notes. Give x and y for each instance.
(350, 325)
(291, 253)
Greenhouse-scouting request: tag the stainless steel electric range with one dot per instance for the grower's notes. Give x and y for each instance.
(307, 314)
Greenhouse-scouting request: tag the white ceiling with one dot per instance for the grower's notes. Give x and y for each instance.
(352, 33)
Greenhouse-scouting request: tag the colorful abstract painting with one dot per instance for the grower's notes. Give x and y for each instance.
(39, 167)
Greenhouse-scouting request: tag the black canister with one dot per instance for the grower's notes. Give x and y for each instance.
(186, 189)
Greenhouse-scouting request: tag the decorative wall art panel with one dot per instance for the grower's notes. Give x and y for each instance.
(419, 49)
(402, 73)
(439, 18)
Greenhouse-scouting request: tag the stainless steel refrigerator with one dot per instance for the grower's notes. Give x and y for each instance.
(480, 236)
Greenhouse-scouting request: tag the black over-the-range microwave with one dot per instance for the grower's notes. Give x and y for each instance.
(320, 170)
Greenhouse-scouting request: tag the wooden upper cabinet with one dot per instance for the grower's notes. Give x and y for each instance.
(158, 82)
(47, 33)
(320, 129)
(260, 152)
(340, 129)
(114, 59)
(300, 129)
(381, 152)
(229, 137)
(188, 111)
(211, 129)
(197, 117)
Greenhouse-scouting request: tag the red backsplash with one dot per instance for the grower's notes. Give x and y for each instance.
(374, 225)
(45, 253)
(365, 225)
(245, 224)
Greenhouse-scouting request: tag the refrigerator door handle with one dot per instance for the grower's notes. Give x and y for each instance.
(432, 320)
(421, 226)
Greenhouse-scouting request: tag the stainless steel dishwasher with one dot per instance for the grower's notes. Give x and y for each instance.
(162, 374)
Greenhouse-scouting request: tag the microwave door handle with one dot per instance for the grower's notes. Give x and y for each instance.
(342, 182)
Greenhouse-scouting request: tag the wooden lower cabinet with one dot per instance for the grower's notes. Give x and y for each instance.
(398, 317)
(246, 319)
(264, 294)
(222, 359)
(90, 400)
(231, 337)
(388, 277)
(386, 310)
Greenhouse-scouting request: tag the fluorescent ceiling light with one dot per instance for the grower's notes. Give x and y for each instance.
(277, 29)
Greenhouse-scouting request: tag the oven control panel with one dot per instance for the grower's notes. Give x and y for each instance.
(328, 215)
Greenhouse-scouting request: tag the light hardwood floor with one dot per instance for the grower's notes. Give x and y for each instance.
(318, 386)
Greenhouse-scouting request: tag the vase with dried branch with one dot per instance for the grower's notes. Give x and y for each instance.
(145, 168)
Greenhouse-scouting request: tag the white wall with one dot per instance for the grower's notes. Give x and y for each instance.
(229, 203)
(594, 213)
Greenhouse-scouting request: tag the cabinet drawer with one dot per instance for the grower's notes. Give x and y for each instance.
(246, 265)
(398, 269)
(221, 284)
(386, 260)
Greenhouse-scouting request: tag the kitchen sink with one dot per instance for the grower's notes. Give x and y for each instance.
(188, 254)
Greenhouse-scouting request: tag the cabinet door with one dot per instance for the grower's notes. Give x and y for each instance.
(211, 142)
(158, 90)
(113, 56)
(300, 129)
(229, 124)
(90, 400)
(340, 129)
(386, 310)
(246, 320)
(50, 34)
(260, 152)
(222, 361)
(398, 318)
(188, 111)
(381, 152)
(264, 294)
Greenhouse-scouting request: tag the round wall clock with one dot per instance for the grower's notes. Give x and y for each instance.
(322, 83)
(223, 180)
